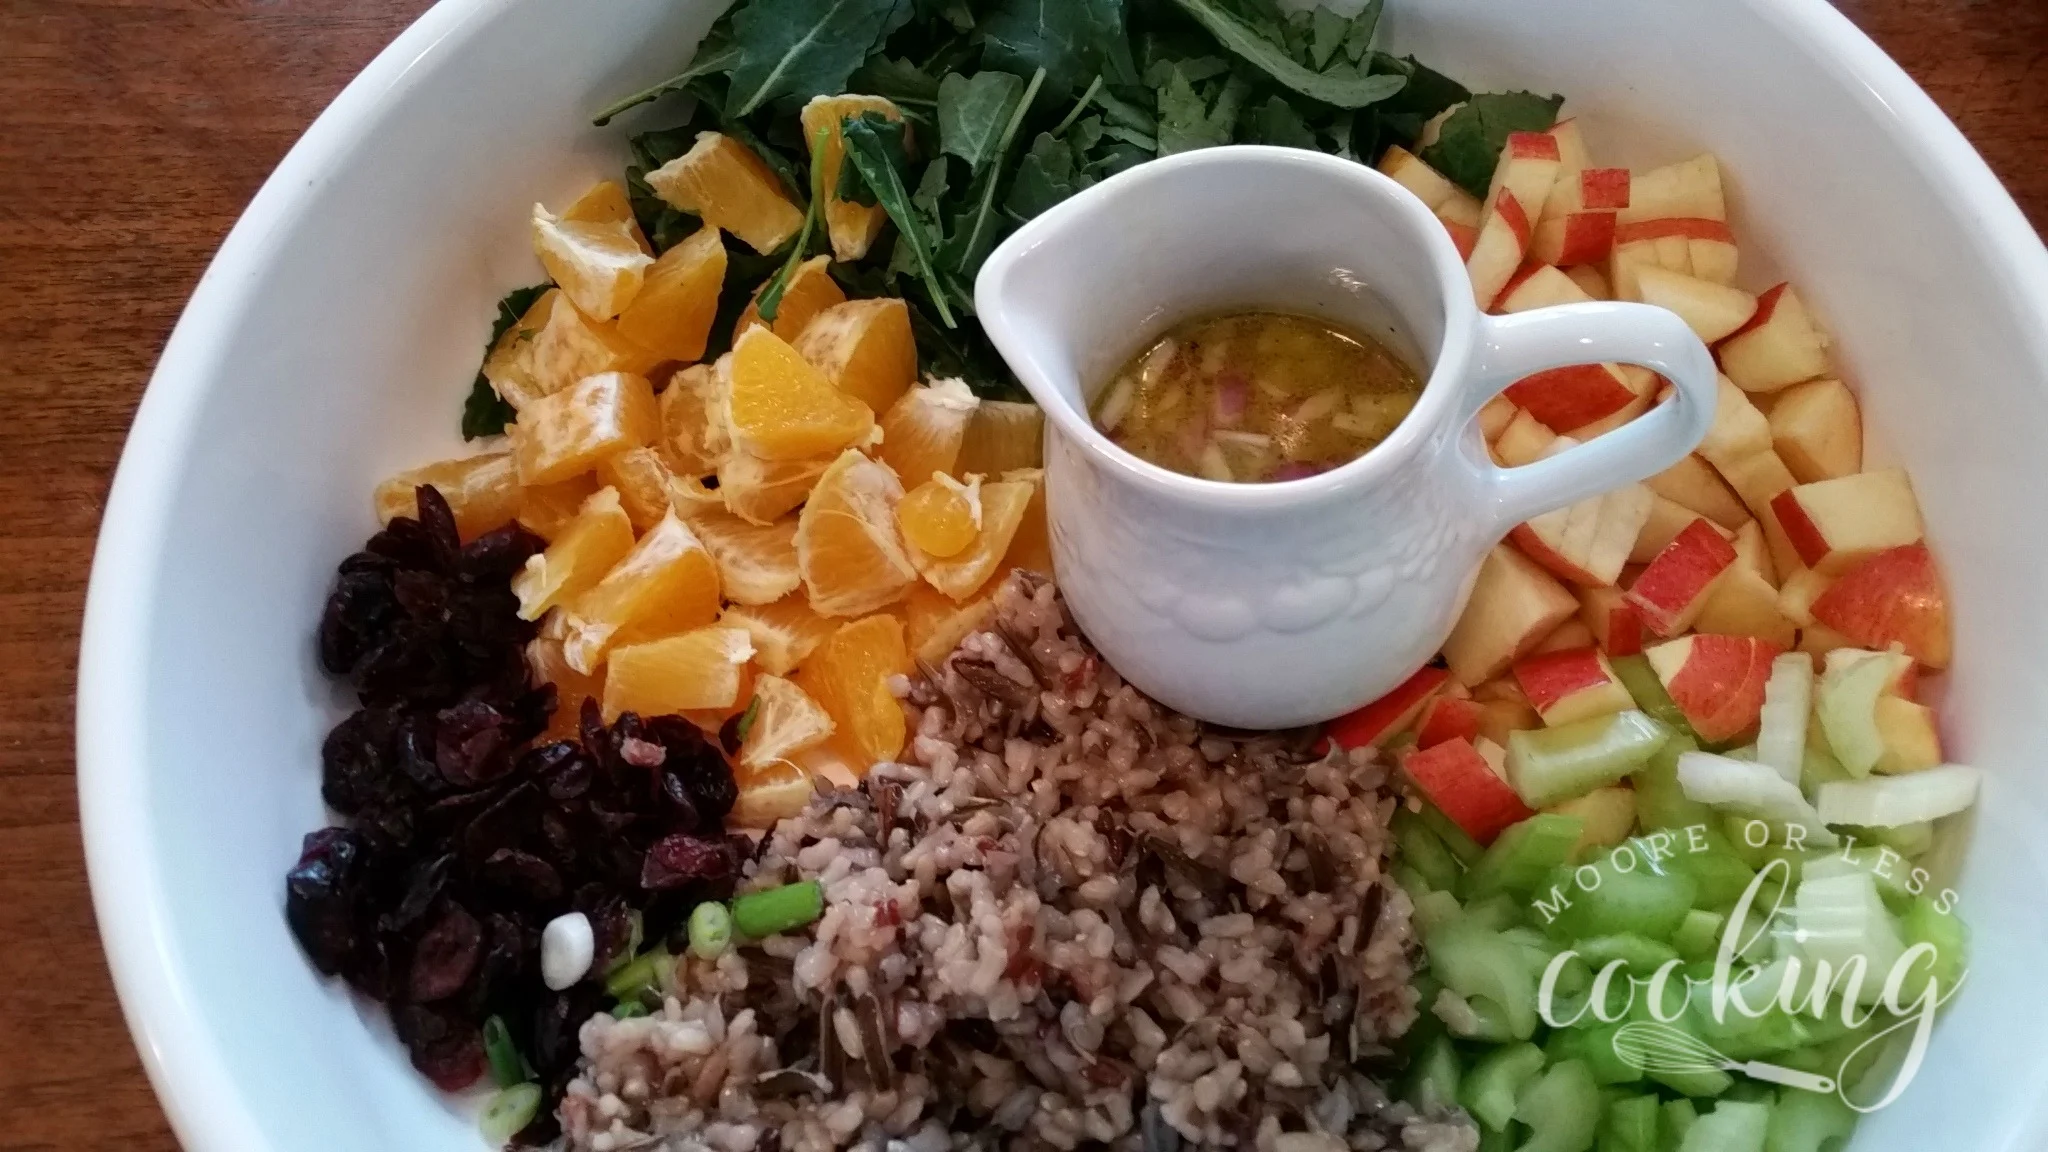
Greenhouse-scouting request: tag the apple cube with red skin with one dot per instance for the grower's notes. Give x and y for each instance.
(1494, 417)
(1892, 597)
(1410, 171)
(1514, 604)
(1371, 724)
(1832, 524)
(1717, 682)
(1591, 281)
(1711, 310)
(1448, 717)
(1688, 189)
(1575, 684)
(1588, 542)
(1537, 285)
(1818, 430)
(1497, 252)
(1570, 634)
(1569, 398)
(1781, 345)
(1743, 603)
(1616, 624)
(1693, 246)
(1693, 483)
(1577, 223)
(1523, 441)
(1527, 168)
(1796, 594)
(1739, 428)
(1912, 742)
(1456, 777)
(1666, 520)
(1674, 588)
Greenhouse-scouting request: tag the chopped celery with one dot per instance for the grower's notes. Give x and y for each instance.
(1423, 851)
(1461, 844)
(1660, 802)
(1742, 1037)
(1841, 917)
(1846, 703)
(1788, 702)
(1698, 934)
(1695, 1084)
(1433, 909)
(1497, 912)
(1722, 876)
(1742, 837)
(1751, 789)
(1892, 801)
(1637, 952)
(1480, 1020)
(1548, 765)
(1594, 1047)
(1630, 1125)
(1819, 767)
(1483, 967)
(1536, 948)
(1433, 1076)
(508, 1112)
(772, 911)
(1523, 855)
(1602, 899)
(1733, 1126)
(1497, 1140)
(1888, 874)
(1640, 679)
(1409, 879)
(1925, 923)
(1907, 840)
(1677, 1119)
(1561, 1108)
(1490, 1088)
(1806, 1121)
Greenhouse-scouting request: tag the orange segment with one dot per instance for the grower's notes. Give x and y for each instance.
(779, 407)
(847, 545)
(560, 435)
(544, 660)
(696, 670)
(1002, 510)
(577, 558)
(546, 509)
(853, 226)
(482, 491)
(552, 347)
(693, 438)
(923, 429)
(865, 348)
(667, 583)
(764, 491)
(599, 264)
(604, 203)
(1031, 547)
(938, 515)
(774, 792)
(673, 312)
(849, 675)
(722, 181)
(810, 291)
(1003, 435)
(785, 633)
(935, 625)
(756, 562)
(786, 721)
(643, 484)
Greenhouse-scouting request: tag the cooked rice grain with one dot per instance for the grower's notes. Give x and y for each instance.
(1070, 919)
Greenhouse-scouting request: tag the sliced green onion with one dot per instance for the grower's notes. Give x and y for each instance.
(642, 975)
(507, 1067)
(1562, 1109)
(508, 1111)
(635, 929)
(773, 911)
(1551, 765)
(710, 930)
(627, 1009)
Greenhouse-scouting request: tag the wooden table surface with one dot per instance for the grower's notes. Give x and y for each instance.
(132, 132)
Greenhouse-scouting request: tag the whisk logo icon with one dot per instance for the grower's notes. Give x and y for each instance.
(1815, 974)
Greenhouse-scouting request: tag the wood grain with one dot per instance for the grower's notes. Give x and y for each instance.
(132, 132)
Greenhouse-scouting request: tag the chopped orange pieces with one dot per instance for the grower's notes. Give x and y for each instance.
(599, 264)
(482, 491)
(786, 721)
(577, 557)
(725, 183)
(810, 291)
(847, 545)
(546, 509)
(643, 482)
(1004, 435)
(1002, 510)
(544, 660)
(673, 312)
(770, 793)
(666, 584)
(864, 347)
(852, 226)
(560, 435)
(935, 625)
(939, 517)
(779, 407)
(693, 438)
(922, 431)
(1031, 547)
(764, 491)
(696, 670)
(756, 562)
(552, 347)
(785, 633)
(849, 675)
(604, 203)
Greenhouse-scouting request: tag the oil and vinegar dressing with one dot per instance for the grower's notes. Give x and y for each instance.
(1256, 396)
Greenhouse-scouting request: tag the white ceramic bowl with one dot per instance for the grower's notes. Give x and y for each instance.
(333, 338)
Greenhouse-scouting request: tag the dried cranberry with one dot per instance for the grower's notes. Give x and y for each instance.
(423, 891)
(524, 875)
(446, 956)
(470, 743)
(498, 555)
(439, 522)
(359, 612)
(681, 859)
(320, 895)
(445, 1048)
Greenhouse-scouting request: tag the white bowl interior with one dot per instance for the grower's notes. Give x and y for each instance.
(333, 341)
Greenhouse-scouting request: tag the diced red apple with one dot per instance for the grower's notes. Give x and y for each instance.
(1588, 190)
(1570, 634)
(1696, 247)
(1494, 417)
(1503, 239)
(1498, 718)
(1580, 237)
(1538, 285)
(1751, 553)
(1513, 606)
(1818, 639)
(1892, 597)
(1574, 396)
(1572, 154)
(1717, 682)
(1711, 310)
(1591, 281)
(1588, 542)
(1818, 430)
(1371, 724)
(1797, 592)
(1575, 684)
(1781, 344)
(1912, 742)
(1616, 418)
(1832, 524)
(1464, 785)
(1448, 717)
(1688, 189)
(1759, 478)
(1674, 588)
(1904, 681)
(1523, 441)
(1413, 173)
(1616, 625)
(1606, 816)
(1743, 603)
(1528, 166)
(1694, 484)
(1738, 429)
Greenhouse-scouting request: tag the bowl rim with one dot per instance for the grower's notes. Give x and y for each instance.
(179, 1051)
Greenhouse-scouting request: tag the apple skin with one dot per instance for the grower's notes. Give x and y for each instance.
(1370, 724)
(1716, 681)
(1832, 524)
(1672, 590)
(1572, 396)
(1497, 253)
(1615, 623)
(1694, 484)
(1575, 684)
(1893, 597)
(1448, 718)
(1514, 605)
(1711, 310)
(1458, 780)
(1538, 285)
(1817, 430)
(1781, 344)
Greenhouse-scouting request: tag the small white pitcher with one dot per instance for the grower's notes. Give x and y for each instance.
(1274, 605)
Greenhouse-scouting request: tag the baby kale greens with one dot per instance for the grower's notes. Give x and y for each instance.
(1010, 106)
(485, 413)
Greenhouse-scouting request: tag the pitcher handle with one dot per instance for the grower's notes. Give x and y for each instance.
(1509, 348)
